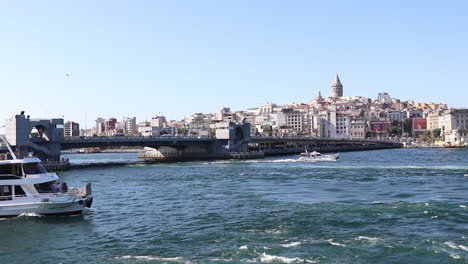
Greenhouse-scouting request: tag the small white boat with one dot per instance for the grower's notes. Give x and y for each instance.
(317, 156)
(27, 188)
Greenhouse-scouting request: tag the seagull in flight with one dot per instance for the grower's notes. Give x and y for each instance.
(68, 74)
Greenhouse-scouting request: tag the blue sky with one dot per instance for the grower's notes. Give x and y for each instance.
(141, 58)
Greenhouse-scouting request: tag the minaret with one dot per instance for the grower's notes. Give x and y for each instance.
(319, 96)
(337, 88)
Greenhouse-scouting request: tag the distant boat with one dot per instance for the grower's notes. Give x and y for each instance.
(317, 156)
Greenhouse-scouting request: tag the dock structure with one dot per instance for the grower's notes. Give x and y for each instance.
(293, 145)
(44, 138)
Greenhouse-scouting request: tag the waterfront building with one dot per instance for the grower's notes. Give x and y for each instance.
(130, 126)
(379, 128)
(199, 124)
(394, 115)
(430, 106)
(455, 126)
(99, 126)
(71, 129)
(158, 121)
(435, 120)
(326, 123)
(357, 128)
(290, 121)
(384, 98)
(343, 122)
(222, 113)
(419, 125)
(144, 129)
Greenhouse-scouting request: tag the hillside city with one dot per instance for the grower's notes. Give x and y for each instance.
(336, 117)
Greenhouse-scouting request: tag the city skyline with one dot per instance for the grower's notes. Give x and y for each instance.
(181, 58)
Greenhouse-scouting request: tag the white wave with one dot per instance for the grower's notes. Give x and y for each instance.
(453, 245)
(292, 244)
(29, 215)
(175, 259)
(272, 258)
(371, 239)
(244, 247)
(462, 206)
(455, 256)
(435, 216)
(426, 212)
(274, 231)
(335, 243)
(225, 260)
(466, 175)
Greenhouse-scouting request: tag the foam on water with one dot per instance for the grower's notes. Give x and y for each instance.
(370, 239)
(29, 215)
(292, 244)
(149, 257)
(453, 245)
(244, 247)
(335, 243)
(265, 258)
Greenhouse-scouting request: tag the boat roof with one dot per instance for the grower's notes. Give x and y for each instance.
(31, 179)
(20, 161)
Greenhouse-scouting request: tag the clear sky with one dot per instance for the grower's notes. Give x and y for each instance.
(141, 58)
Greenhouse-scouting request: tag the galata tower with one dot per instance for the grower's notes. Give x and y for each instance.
(337, 88)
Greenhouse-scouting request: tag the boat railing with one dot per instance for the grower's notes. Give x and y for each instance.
(77, 191)
(72, 192)
(42, 195)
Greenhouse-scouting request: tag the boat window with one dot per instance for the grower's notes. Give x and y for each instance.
(5, 192)
(5, 169)
(33, 168)
(48, 187)
(11, 169)
(19, 191)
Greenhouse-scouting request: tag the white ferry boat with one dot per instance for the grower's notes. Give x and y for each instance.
(26, 187)
(317, 156)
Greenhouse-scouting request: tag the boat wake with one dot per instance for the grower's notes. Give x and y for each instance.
(25, 215)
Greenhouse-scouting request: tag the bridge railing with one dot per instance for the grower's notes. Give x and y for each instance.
(135, 138)
(389, 140)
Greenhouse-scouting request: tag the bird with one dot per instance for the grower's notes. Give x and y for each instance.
(68, 74)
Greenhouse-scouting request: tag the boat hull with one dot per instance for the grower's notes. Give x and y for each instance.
(72, 206)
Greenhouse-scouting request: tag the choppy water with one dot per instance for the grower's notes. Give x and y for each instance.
(388, 206)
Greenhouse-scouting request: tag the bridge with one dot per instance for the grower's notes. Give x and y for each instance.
(46, 140)
(292, 145)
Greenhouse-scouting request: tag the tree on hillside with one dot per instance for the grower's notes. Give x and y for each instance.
(426, 136)
(407, 126)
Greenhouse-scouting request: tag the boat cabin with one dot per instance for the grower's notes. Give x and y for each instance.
(19, 178)
(15, 170)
